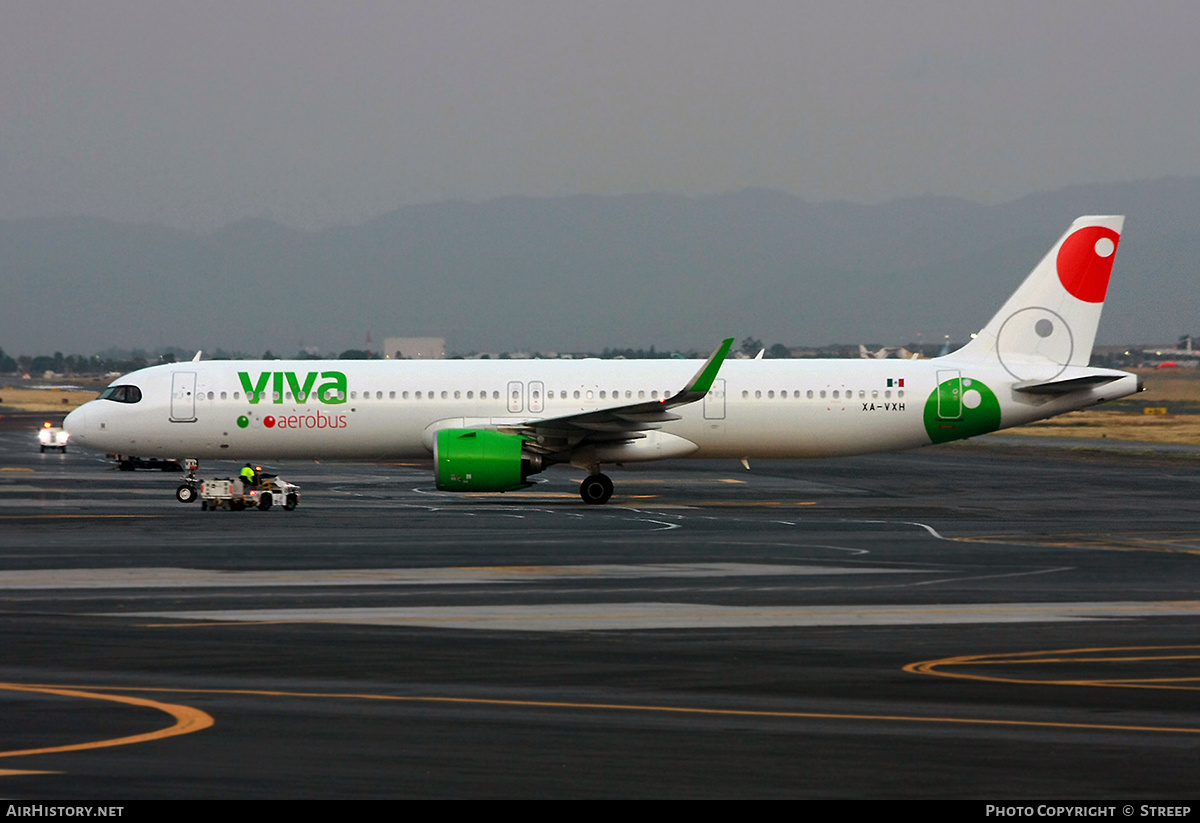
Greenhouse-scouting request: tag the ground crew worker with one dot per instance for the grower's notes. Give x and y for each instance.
(248, 476)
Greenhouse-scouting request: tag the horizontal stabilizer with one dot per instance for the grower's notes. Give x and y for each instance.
(1067, 385)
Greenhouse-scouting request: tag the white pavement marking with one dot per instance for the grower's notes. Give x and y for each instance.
(144, 578)
(627, 616)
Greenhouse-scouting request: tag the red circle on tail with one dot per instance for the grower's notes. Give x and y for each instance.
(1085, 262)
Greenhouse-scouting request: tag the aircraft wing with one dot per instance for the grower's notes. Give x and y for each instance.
(620, 422)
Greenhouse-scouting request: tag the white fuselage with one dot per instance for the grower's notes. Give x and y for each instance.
(390, 409)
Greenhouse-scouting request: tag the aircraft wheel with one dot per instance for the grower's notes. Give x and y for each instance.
(125, 466)
(42, 449)
(596, 489)
(290, 502)
(265, 502)
(185, 494)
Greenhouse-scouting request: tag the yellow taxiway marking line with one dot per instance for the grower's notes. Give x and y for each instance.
(721, 504)
(15, 772)
(638, 707)
(618, 500)
(546, 496)
(1065, 656)
(1109, 542)
(187, 719)
(15, 469)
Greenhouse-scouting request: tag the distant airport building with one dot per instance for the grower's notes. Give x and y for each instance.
(414, 348)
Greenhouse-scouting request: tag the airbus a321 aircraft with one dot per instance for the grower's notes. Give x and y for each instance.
(492, 424)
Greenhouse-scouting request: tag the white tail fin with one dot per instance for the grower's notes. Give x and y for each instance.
(1050, 322)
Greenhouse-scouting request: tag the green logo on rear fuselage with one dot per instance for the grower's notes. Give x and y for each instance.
(960, 407)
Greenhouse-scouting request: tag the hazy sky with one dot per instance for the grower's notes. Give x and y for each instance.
(199, 113)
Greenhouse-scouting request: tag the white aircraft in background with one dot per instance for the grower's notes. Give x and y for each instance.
(491, 424)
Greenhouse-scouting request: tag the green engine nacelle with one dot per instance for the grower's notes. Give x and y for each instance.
(479, 460)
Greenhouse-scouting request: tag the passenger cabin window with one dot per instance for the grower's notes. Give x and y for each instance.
(122, 394)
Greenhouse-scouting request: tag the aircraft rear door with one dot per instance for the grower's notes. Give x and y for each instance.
(949, 394)
(183, 397)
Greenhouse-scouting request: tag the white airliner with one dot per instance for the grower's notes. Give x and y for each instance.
(491, 424)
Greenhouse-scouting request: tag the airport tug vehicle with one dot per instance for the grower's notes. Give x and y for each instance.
(234, 494)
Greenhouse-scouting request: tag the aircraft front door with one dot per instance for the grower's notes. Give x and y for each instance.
(183, 397)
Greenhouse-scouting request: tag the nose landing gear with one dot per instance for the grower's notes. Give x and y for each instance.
(188, 492)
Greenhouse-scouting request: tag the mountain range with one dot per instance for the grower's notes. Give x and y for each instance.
(588, 272)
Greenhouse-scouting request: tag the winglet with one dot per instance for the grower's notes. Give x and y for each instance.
(703, 380)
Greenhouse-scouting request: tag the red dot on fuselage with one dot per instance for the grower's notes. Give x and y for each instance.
(269, 421)
(1085, 262)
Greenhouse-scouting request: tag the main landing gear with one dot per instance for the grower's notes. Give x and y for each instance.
(596, 489)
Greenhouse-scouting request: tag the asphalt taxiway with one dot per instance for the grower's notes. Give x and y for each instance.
(976, 620)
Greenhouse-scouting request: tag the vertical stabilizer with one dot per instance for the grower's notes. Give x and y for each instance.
(1049, 324)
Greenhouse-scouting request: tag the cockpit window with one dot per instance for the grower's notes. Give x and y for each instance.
(122, 394)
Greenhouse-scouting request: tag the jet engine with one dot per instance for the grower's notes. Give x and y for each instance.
(480, 460)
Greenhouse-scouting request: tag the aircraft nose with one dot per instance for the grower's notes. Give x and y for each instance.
(76, 423)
